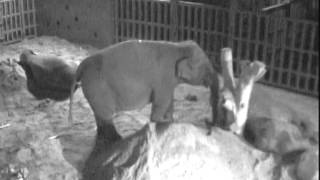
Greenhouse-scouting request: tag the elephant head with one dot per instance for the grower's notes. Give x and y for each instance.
(194, 66)
(24, 62)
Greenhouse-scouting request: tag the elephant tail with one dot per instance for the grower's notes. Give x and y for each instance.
(75, 84)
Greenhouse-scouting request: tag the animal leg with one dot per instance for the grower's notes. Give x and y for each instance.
(106, 131)
(161, 103)
(168, 116)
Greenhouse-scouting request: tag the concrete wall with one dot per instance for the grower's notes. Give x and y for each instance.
(83, 21)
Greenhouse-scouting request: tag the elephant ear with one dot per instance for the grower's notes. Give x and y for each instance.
(184, 70)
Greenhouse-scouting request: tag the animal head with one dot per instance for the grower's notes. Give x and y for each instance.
(24, 61)
(235, 95)
(194, 67)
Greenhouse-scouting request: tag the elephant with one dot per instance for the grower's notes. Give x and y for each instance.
(48, 77)
(130, 74)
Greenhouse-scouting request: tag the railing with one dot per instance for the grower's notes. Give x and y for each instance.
(289, 47)
(17, 20)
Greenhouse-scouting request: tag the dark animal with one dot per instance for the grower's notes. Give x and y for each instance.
(47, 76)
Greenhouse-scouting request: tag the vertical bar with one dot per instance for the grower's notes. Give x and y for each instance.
(166, 23)
(256, 54)
(146, 15)
(240, 41)
(313, 37)
(116, 21)
(140, 19)
(152, 18)
(189, 25)
(210, 19)
(216, 23)
(34, 18)
(294, 28)
(121, 20)
(1, 21)
(182, 21)
(128, 20)
(174, 20)
(133, 18)
(202, 44)
(265, 45)
(159, 22)
(282, 51)
(273, 54)
(232, 15)
(195, 23)
(12, 30)
(300, 63)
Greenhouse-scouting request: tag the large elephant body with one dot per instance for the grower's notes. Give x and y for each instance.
(133, 73)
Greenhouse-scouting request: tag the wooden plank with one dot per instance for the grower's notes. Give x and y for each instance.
(273, 54)
(127, 16)
(140, 19)
(264, 49)
(168, 9)
(189, 24)
(152, 6)
(182, 22)
(210, 19)
(121, 20)
(282, 54)
(249, 31)
(116, 21)
(294, 28)
(257, 35)
(202, 40)
(34, 18)
(313, 37)
(240, 47)
(300, 59)
(195, 23)
(159, 21)
(146, 33)
(134, 17)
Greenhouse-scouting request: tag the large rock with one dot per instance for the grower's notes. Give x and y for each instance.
(27, 152)
(184, 151)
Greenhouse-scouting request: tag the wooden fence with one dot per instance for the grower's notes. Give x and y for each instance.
(289, 47)
(17, 20)
(1, 22)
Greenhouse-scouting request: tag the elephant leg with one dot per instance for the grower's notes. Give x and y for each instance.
(161, 102)
(106, 131)
(215, 98)
(168, 116)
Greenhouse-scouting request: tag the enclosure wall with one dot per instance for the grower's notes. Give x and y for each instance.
(85, 21)
(288, 46)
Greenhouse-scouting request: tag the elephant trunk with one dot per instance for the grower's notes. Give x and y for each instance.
(208, 77)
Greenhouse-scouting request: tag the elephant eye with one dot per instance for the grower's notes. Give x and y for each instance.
(241, 105)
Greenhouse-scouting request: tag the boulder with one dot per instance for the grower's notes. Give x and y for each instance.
(162, 151)
(27, 152)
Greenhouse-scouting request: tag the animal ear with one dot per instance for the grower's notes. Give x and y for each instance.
(259, 69)
(184, 69)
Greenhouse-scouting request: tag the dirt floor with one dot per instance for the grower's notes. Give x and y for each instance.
(77, 140)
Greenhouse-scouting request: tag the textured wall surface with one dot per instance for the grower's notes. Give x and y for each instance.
(83, 21)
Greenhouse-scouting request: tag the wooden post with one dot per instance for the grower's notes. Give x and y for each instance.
(1, 21)
(227, 68)
(232, 15)
(116, 21)
(23, 22)
(174, 20)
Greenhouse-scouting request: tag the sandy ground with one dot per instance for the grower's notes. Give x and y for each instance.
(77, 140)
